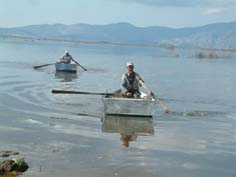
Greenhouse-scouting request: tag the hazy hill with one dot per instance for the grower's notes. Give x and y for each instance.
(218, 35)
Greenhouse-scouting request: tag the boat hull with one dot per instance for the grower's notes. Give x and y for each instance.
(128, 106)
(63, 67)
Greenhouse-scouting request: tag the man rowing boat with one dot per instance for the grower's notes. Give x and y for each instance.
(66, 58)
(130, 82)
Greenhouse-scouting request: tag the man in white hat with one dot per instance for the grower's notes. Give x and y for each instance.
(130, 82)
(66, 58)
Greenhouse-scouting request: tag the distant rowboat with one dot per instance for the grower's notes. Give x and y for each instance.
(64, 67)
(142, 107)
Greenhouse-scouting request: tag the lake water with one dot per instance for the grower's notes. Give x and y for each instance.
(67, 135)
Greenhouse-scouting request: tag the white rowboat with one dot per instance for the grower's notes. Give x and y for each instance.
(129, 106)
(64, 67)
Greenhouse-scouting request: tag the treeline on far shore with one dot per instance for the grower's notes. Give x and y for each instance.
(179, 51)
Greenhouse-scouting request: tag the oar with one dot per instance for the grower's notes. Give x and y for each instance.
(155, 97)
(79, 64)
(78, 92)
(36, 67)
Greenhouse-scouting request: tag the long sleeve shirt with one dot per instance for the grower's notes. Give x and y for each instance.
(129, 83)
(66, 58)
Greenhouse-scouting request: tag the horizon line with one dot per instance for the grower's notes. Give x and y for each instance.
(106, 24)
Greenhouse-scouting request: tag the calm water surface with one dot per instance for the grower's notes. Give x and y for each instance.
(67, 135)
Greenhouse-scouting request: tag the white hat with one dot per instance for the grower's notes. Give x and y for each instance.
(129, 64)
(66, 52)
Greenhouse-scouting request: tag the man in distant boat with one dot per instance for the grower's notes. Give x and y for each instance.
(66, 58)
(130, 82)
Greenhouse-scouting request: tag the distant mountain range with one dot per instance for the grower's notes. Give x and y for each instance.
(218, 35)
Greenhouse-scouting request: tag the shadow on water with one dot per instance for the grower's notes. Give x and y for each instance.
(129, 128)
(65, 76)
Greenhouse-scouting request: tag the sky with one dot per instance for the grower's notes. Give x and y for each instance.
(142, 13)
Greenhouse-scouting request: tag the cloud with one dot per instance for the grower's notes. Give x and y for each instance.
(184, 3)
(214, 11)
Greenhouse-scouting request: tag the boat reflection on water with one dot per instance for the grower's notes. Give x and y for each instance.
(65, 76)
(128, 127)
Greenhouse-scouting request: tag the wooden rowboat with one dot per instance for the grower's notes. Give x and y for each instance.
(64, 67)
(118, 105)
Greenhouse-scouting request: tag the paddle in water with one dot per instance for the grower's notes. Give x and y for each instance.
(154, 96)
(79, 64)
